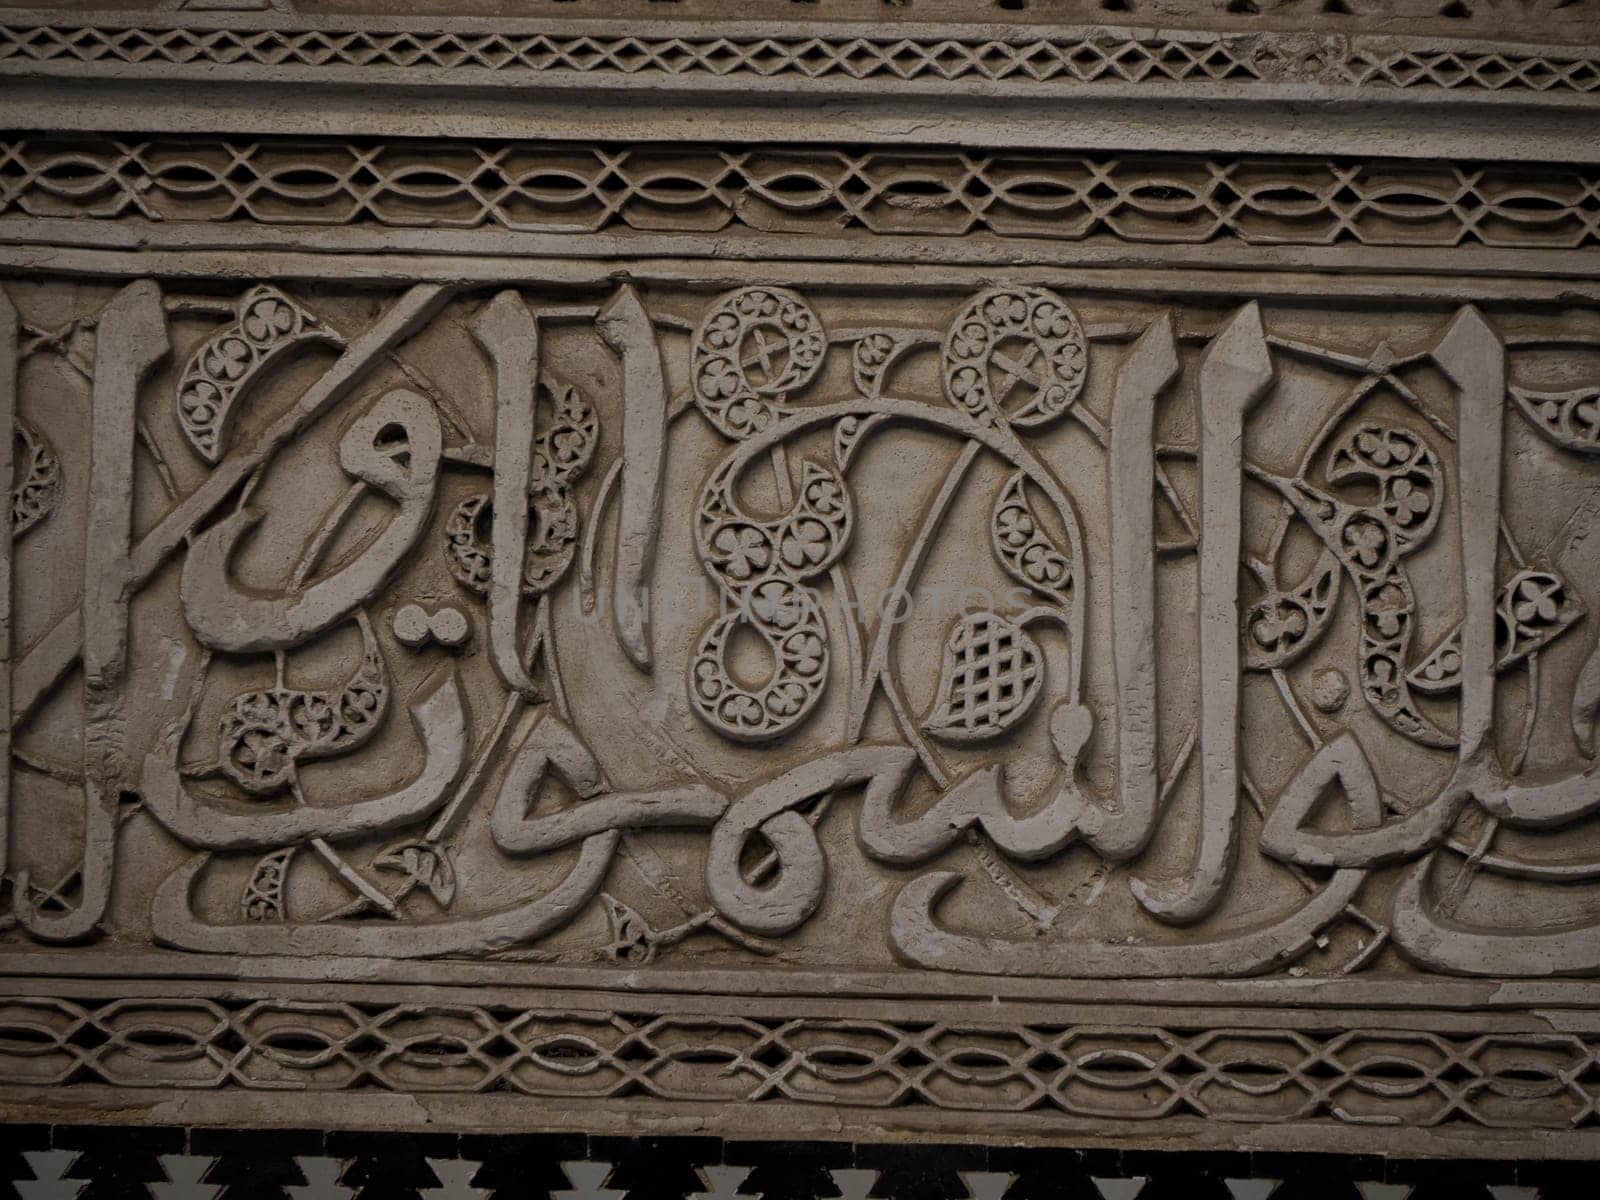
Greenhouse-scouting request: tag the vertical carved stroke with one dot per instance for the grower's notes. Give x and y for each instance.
(8, 442)
(1234, 374)
(509, 335)
(625, 327)
(132, 338)
(1151, 365)
(1470, 355)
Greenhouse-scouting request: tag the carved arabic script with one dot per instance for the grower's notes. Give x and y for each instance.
(347, 530)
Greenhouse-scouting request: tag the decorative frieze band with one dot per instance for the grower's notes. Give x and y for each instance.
(1024, 55)
(588, 188)
(1122, 1071)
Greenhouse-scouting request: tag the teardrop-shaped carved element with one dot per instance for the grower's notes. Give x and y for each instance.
(989, 680)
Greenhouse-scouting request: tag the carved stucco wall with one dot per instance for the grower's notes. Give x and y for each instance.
(770, 568)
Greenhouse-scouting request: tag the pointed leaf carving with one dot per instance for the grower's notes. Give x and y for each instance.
(876, 353)
(1027, 553)
(849, 433)
(1534, 607)
(632, 939)
(263, 894)
(1569, 419)
(1283, 625)
(37, 486)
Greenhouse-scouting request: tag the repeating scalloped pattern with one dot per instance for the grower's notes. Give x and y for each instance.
(1140, 1073)
(549, 187)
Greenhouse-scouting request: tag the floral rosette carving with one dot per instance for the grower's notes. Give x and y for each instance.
(1007, 339)
(754, 348)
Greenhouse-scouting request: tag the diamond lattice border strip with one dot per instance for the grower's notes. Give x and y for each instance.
(652, 52)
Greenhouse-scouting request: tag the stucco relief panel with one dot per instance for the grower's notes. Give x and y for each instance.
(1003, 629)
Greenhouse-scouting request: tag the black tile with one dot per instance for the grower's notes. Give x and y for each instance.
(256, 1164)
(1318, 1176)
(390, 1166)
(656, 1168)
(1446, 1180)
(519, 1166)
(1316, 1187)
(928, 1172)
(122, 1139)
(1186, 1174)
(789, 1170)
(1043, 1173)
(283, 1143)
(1558, 1180)
(118, 1161)
(1101, 1163)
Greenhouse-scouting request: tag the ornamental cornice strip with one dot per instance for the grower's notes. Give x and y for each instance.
(653, 53)
(1228, 1075)
(438, 185)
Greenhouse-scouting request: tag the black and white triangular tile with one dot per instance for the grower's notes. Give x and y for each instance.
(39, 1162)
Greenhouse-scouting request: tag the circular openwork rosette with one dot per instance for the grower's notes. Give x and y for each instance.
(1016, 355)
(754, 347)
